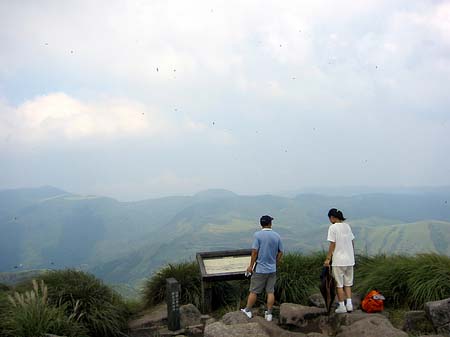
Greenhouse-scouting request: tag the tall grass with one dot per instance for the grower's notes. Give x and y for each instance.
(405, 280)
(102, 310)
(186, 273)
(298, 277)
(30, 314)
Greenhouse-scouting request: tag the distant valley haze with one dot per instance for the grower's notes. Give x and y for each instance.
(124, 242)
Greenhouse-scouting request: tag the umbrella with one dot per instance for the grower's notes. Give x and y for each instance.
(327, 287)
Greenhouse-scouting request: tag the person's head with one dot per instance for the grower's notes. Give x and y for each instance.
(266, 221)
(335, 215)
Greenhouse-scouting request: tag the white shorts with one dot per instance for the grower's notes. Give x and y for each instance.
(343, 275)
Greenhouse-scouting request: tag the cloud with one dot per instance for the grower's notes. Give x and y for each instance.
(60, 117)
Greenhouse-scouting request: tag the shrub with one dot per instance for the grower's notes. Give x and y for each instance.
(30, 314)
(186, 273)
(428, 280)
(405, 280)
(298, 277)
(102, 311)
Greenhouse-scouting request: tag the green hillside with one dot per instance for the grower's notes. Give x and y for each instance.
(123, 242)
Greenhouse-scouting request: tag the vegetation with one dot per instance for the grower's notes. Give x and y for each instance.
(102, 311)
(186, 273)
(405, 280)
(31, 314)
(298, 277)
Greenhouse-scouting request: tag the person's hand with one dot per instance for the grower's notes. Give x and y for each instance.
(250, 269)
(327, 263)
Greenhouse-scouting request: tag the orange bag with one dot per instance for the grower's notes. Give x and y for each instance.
(373, 302)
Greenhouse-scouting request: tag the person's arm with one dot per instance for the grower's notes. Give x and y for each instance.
(330, 254)
(252, 260)
(279, 256)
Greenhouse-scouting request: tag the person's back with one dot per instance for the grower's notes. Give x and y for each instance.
(267, 242)
(342, 235)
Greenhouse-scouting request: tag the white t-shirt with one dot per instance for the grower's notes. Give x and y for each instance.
(341, 233)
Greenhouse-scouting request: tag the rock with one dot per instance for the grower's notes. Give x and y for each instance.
(298, 315)
(316, 300)
(338, 320)
(373, 326)
(416, 321)
(439, 314)
(316, 334)
(195, 330)
(235, 317)
(220, 329)
(156, 316)
(273, 330)
(190, 316)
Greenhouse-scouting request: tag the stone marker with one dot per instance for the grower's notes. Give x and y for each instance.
(173, 304)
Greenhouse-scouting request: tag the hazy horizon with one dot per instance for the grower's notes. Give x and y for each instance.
(137, 100)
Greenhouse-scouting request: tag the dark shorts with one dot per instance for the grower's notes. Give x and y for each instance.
(259, 282)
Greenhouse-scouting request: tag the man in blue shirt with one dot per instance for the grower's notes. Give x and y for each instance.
(267, 250)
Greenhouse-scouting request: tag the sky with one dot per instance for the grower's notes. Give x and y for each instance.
(143, 99)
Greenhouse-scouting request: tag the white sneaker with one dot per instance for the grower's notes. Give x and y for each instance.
(268, 317)
(349, 307)
(340, 310)
(247, 313)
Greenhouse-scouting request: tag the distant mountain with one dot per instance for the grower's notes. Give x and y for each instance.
(123, 242)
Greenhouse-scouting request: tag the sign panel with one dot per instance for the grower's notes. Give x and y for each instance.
(224, 265)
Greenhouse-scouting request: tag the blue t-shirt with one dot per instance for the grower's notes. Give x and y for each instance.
(268, 243)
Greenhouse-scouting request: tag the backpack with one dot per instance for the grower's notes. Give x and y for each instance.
(373, 302)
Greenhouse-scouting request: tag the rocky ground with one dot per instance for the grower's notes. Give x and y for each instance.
(294, 320)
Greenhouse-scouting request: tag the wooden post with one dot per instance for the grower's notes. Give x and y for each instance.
(173, 304)
(206, 297)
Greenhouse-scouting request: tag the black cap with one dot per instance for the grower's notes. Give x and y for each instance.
(265, 220)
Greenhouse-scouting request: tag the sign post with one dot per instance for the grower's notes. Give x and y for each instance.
(221, 266)
(173, 304)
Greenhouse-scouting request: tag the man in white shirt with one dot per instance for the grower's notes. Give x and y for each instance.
(341, 253)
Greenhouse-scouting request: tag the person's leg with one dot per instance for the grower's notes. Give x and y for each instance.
(348, 292)
(339, 279)
(270, 291)
(251, 300)
(270, 302)
(256, 286)
(348, 282)
(340, 294)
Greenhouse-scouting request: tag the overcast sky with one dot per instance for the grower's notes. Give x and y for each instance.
(139, 99)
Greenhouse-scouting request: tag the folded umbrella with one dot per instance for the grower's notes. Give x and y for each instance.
(327, 287)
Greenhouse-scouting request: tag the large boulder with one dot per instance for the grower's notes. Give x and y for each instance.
(298, 315)
(439, 314)
(338, 320)
(190, 316)
(220, 329)
(373, 326)
(235, 317)
(316, 300)
(273, 330)
(417, 322)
